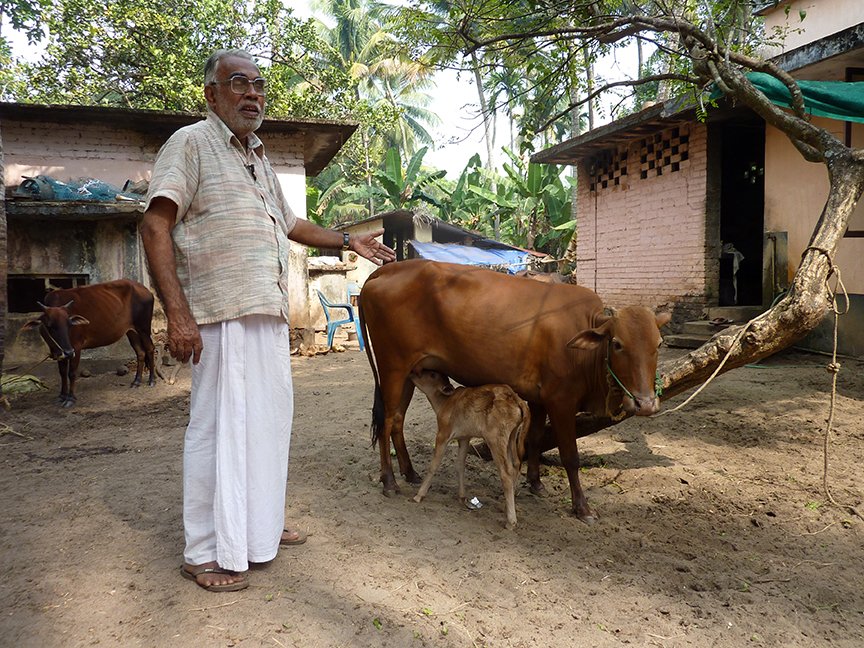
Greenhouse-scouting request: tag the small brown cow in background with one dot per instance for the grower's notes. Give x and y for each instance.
(492, 412)
(94, 316)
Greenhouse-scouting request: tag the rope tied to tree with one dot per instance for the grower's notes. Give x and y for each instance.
(833, 368)
(736, 340)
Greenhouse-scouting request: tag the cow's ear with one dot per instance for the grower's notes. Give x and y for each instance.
(32, 324)
(448, 389)
(663, 319)
(590, 338)
(76, 320)
(587, 339)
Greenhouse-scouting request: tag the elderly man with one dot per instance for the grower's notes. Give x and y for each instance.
(216, 233)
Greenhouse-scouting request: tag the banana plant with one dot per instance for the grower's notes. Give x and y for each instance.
(399, 188)
(540, 217)
(470, 202)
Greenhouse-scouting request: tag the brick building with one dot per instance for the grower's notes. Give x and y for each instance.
(690, 216)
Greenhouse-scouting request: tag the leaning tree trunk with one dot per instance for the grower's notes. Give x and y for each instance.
(796, 314)
(800, 310)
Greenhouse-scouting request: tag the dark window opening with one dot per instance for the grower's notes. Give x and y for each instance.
(25, 290)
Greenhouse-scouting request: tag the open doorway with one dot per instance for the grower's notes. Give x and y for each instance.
(742, 208)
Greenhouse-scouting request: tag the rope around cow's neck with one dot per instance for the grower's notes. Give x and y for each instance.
(46, 332)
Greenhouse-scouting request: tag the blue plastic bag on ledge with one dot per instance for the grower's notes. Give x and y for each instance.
(44, 187)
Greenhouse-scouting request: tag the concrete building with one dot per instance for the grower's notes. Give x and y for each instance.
(62, 244)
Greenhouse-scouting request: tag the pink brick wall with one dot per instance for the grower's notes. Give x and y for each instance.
(109, 153)
(65, 152)
(642, 240)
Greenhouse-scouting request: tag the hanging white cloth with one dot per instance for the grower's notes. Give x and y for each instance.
(737, 258)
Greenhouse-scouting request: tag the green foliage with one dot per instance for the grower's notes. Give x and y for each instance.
(534, 202)
(466, 202)
(24, 16)
(137, 53)
(396, 187)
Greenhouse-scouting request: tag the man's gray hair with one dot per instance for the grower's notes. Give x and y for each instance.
(213, 62)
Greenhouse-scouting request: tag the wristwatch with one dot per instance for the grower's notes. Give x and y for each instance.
(345, 240)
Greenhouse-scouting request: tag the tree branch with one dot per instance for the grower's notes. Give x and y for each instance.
(616, 84)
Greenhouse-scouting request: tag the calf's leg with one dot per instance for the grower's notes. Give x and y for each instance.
(441, 440)
(464, 446)
(508, 474)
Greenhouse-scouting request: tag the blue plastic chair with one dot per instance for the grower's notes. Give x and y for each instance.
(353, 292)
(333, 324)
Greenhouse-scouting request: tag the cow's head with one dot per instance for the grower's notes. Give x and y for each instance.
(631, 340)
(54, 325)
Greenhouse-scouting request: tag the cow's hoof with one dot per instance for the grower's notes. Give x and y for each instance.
(413, 478)
(587, 519)
(390, 487)
(537, 488)
(68, 403)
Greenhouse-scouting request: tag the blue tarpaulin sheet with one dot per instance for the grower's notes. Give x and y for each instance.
(515, 260)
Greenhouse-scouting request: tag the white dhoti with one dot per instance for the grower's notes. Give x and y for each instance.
(235, 457)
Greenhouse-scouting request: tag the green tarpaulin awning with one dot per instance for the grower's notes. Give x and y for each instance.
(833, 99)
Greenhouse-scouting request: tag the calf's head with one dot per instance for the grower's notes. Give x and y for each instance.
(630, 339)
(435, 385)
(54, 325)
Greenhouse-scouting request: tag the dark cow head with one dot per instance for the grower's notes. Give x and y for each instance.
(630, 339)
(54, 325)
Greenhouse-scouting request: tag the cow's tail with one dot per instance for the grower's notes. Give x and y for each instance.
(516, 443)
(378, 401)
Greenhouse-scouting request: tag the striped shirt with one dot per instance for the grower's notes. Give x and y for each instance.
(231, 235)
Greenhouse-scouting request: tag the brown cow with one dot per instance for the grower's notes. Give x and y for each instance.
(94, 316)
(551, 343)
(493, 412)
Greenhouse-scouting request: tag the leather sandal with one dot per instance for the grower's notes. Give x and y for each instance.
(236, 586)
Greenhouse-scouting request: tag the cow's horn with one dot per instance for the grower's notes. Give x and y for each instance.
(71, 301)
(42, 306)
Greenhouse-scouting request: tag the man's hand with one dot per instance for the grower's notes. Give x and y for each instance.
(184, 339)
(366, 246)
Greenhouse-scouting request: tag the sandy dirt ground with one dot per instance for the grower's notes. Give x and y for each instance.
(714, 529)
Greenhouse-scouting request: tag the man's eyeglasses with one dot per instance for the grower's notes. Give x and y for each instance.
(240, 83)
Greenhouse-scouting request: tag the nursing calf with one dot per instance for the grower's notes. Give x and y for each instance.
(493, 412)
(94, 316)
